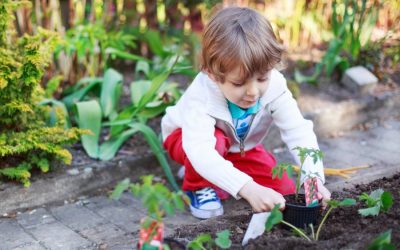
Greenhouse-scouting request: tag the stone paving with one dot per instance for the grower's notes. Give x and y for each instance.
(101, 223)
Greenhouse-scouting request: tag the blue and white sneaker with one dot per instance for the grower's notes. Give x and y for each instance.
(204, 203)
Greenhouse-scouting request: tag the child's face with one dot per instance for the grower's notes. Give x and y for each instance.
(244, 94)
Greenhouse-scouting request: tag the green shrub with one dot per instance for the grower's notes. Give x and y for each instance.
(26, 141)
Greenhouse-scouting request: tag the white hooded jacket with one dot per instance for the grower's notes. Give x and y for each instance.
(204, 107)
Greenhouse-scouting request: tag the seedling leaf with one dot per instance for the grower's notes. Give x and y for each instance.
(371, 211)
(347, 202)
(387, 201)
(382, 242)
(274, 218)
(197, 243)
(120, 188)
(223, 240)
(376, 194)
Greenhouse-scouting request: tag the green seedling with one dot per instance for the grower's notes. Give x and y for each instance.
(376, 201)
(158, 200)
(156, 197)
(382, 242)
(276, 218)
(205, 241)
(303, 154)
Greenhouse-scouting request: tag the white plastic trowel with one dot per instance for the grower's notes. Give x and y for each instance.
(256, 227)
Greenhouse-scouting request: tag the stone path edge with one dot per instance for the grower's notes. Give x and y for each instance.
(63, 186)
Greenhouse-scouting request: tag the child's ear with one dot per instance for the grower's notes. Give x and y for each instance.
(211, 76)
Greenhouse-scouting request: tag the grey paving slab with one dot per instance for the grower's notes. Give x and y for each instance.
(12, 236)
(119, 214)
(35, 218)
(55, 235)
(106, 234)
(77, 217)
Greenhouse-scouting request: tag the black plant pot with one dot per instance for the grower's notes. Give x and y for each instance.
(297, 214)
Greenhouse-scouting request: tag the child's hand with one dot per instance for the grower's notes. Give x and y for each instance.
(323, 193)
(261, 199)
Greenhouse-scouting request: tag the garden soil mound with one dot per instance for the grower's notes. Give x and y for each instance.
(344, 228)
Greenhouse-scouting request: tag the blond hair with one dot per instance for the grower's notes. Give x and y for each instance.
(239, 37)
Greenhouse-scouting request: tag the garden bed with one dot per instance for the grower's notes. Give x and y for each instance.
(344, 228)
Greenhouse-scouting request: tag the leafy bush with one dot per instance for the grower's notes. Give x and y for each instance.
(26, 141)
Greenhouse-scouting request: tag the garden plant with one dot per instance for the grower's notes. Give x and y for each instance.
(276, 217)
(27, 141)
(377, 201)
(298, 211)
(205, 241)
(158, 201)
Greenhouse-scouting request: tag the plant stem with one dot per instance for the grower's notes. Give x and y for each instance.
(298, 181)
(312, 230)
(297, 230)
(322, 223)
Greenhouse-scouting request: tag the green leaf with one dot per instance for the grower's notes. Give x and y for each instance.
(125, 55)
(110, 92)
(223, 240)
(155, 85)
(197, 243)
(89, 117)
(169, 208)
(78, 95)
(382, 242)
(143, 66)
(126, 114)
(120, 188)
(387, 201)
(155, 43)
(371, 211)
(274, 218)
(117, 122)
(274, 172)
(57, 104)
(44, 165)
(376, 194)
(300, 78)
(289, 170)
(158, 151)
(109, 148)
(178, 202)
(52, 85)
(347, 202)
(150, 112)
(138, 89)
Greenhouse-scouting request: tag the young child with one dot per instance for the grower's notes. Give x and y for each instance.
(216, 128)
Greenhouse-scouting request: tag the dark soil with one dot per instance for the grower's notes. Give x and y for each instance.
(344, 228)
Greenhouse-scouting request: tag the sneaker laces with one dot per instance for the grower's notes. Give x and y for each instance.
(205, 194)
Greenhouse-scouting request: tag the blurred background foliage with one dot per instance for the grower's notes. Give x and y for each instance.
(122, 62)
(96, 32)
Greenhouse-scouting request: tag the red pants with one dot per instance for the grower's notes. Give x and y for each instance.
(257, 163)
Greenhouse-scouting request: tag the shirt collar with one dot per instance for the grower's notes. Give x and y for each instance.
(237, 112)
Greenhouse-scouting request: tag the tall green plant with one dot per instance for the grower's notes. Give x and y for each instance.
(352, 26)
(149, 99)
(87, 48)
(26, 141)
